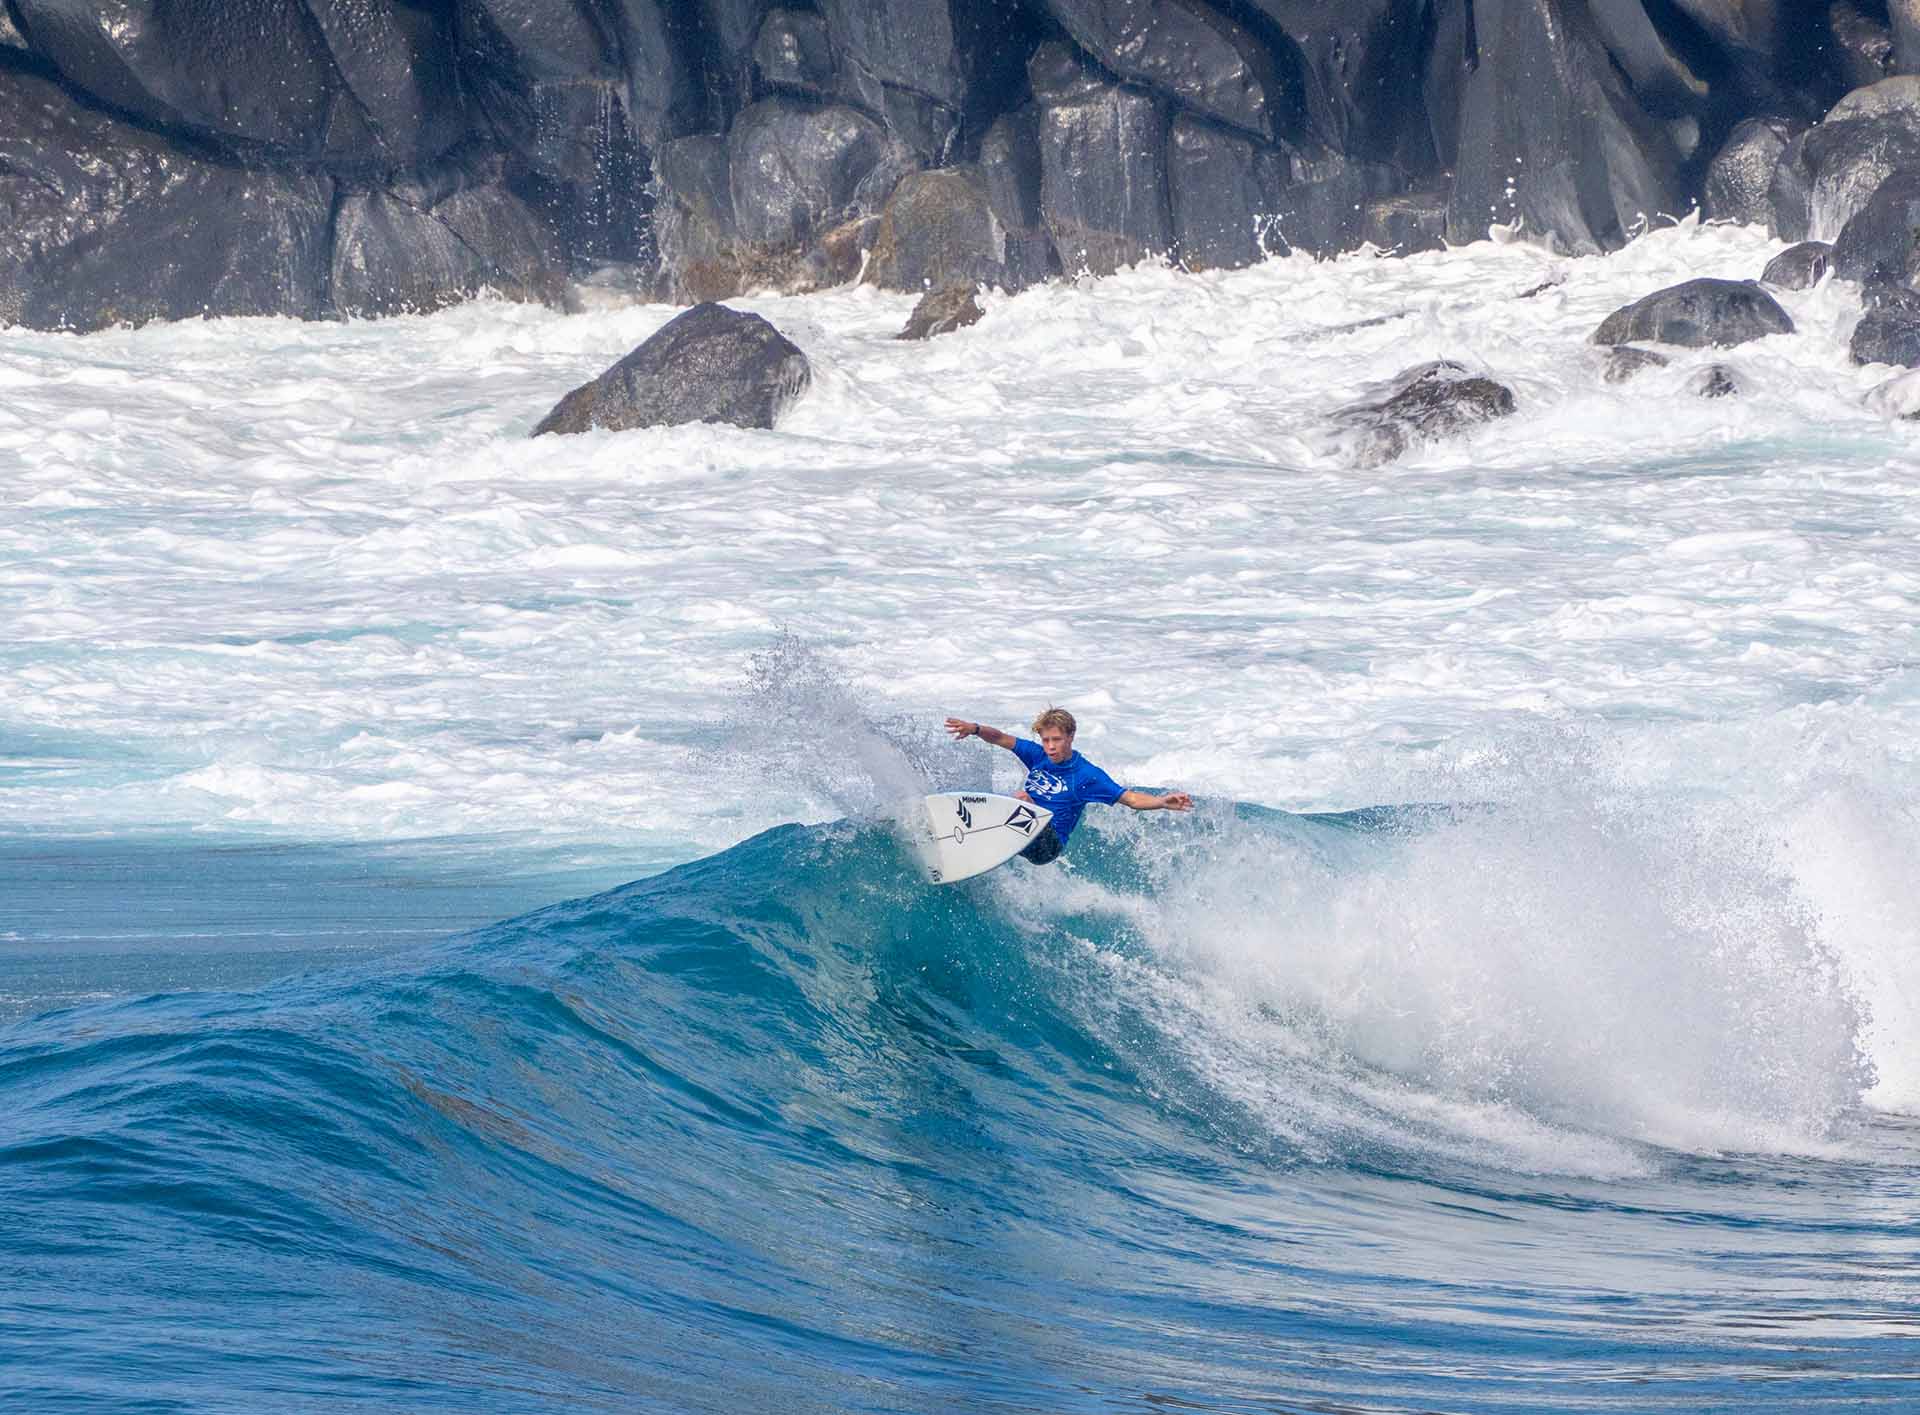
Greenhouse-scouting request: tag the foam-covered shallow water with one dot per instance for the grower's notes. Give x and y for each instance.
(1529, 1016)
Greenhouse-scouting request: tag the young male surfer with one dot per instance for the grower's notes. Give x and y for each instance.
(1062, 780)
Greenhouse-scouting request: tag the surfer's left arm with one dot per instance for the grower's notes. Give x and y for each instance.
(1147, 801)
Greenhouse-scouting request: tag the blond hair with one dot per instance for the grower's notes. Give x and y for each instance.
(1055, 717)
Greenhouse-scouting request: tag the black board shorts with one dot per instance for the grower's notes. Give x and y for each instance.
(1046, 847)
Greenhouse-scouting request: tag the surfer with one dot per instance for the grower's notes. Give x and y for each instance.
(1062, 780)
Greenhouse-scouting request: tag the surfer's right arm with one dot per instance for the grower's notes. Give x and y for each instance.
(992, 736)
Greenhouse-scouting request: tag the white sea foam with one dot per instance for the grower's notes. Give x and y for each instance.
(315, 580)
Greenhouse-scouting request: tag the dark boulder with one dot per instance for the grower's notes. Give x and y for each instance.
(1103, 174)
(1882, 241)
(1715, 381)
(793, 52)
(1799, 267)
(1624, 361)
(710, 364)
(1740, 177)
(1195, 55)
(1552, 137)
(938, 231)
(402, 252)
(1423, 404)
(942, 312)
(1889, 331)
(1224, 188)
(1698, 314)
(107, 224)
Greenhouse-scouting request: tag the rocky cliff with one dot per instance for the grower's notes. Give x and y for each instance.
(335, 157)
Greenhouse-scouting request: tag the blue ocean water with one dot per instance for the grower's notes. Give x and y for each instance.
(784, 1129)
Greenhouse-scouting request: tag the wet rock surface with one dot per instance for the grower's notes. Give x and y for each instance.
(1799, 267)
(1698, 314)
(1426, 403)
(710, 364)
(414, 152)
(1624, 362)
(942, 312)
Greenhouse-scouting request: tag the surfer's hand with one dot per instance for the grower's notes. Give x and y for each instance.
(1176, 801)
(962, 729)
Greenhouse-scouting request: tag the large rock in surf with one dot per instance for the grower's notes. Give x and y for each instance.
(1799, 267)
(109, 224)
(711, 364)
(942, 312)
(1882, 241)
(1422, 404)
(1698, 314)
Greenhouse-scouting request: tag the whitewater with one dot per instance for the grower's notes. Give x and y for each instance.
(456, 950)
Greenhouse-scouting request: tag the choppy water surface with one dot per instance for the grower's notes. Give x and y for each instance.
(1580, 1076)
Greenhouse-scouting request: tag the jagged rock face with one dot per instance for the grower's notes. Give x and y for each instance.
(1698, 314)
(1799, 267)
(1103, 172)
(1551, 136)
(107, 224)
(404, 253)
(1200, 58)
(710, 364)
(1225, 190)
(1426, 403)
(748, 143)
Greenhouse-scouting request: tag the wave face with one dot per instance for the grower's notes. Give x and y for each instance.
(1395, 1110)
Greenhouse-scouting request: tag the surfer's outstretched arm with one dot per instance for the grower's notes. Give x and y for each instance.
(1147, 801)
(992, 736)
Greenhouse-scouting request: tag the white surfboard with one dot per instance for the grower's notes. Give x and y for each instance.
(969, 832)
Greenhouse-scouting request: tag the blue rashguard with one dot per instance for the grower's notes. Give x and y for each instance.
(1066, 787)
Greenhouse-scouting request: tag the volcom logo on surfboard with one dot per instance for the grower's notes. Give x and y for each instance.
(1023, 819)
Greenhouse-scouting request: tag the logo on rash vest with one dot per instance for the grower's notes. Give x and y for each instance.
(1042, 783)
